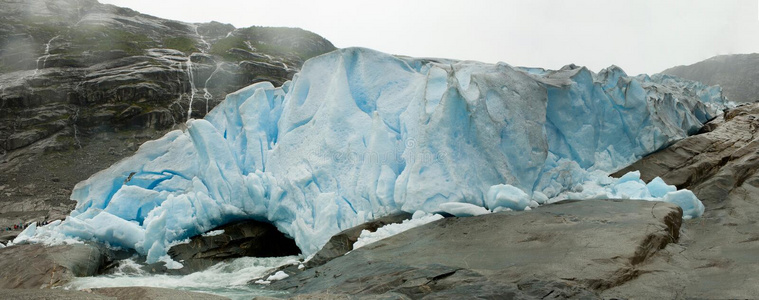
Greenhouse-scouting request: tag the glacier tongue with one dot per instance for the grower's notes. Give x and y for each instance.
(360, 134)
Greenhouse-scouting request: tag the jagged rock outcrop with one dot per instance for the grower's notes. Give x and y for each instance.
(572, 249)
(716, 258)
(76, 72)
(737, 74)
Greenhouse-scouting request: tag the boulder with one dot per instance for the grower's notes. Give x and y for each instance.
(34, 266)
(572, 249)
(240, 239)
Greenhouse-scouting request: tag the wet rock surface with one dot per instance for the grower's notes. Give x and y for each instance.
(37, 266)
(83, 84)
(572, 249)
(717, 254)
(240, 239)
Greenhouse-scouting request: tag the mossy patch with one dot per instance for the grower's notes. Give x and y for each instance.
(222, 46)
(183, 43)
(277, 41)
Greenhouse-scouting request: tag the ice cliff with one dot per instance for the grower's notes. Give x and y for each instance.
(360, 134)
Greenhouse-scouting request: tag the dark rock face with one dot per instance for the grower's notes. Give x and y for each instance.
(717, 256)
(75, 73)
(738, 75)
(572, 249)
(241, 239)
(38, 266)
(342, 242)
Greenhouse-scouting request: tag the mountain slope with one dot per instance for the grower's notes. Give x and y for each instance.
(738, 75)
(86, 83)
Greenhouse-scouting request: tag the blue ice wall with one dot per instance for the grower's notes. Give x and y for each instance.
(359, 134)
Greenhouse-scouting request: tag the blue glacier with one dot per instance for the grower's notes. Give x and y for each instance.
(360, 134)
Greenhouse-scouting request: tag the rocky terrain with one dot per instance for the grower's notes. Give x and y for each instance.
(83, 84)
(737, 74)
(716, 256)
(566, 250)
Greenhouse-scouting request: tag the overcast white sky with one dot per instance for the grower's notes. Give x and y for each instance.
(641, 36)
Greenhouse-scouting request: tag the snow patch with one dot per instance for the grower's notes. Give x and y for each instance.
(419, 218)
(214, 233)
(463, 209)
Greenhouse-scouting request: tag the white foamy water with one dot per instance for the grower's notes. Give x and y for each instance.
(228, 279)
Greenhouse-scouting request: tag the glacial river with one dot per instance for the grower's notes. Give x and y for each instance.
(228, 279)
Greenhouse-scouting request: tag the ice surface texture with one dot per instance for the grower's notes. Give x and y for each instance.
(360, 134)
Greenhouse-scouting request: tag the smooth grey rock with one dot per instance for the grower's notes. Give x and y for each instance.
(572, 249)
(151, 293)
(50, 294)
(37, 266)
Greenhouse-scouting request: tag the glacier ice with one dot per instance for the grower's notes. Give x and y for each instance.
(277, 276)
(505, 196)
(360, 134)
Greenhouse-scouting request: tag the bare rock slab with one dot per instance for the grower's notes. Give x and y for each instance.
(572, 249)
(152, 293)
(37, 266)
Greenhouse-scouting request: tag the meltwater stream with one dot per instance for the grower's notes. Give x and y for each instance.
(229, 279)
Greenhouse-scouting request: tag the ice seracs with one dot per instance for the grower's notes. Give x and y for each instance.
(360, 134)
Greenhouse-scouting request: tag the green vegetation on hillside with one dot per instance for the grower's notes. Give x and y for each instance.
(182, 43)
(274, 41)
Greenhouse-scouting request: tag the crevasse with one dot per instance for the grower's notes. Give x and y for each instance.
(360, 134)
